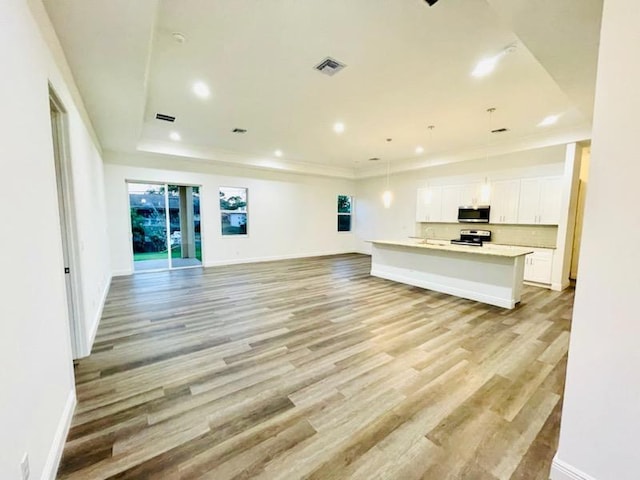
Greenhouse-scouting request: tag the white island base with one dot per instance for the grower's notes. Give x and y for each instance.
(486, 274)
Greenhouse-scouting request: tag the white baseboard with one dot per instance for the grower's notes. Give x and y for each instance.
(536, 284)
(238, 261)
(122, 273)
(59, 439)
(563, 471)
(556, 287)
(97, 317)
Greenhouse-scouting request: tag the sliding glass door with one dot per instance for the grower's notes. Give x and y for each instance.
(184, 217)
(165, 226)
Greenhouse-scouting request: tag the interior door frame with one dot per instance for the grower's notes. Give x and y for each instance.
(68, 224)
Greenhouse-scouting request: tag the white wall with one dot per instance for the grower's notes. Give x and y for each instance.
(399, 221)
(601, 414)
(290, 215)
(36, 378)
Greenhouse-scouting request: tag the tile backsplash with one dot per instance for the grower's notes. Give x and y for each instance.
(543, 236)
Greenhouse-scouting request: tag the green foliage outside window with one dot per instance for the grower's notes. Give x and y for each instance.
(344, 213)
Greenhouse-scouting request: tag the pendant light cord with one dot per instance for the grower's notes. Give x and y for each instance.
(388, 165)
(490, 112)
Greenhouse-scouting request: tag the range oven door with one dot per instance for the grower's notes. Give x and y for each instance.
(479, 214)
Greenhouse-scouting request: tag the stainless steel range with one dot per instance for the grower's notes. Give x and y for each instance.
(473, 237)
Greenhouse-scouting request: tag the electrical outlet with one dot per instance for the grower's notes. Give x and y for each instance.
(24, 466)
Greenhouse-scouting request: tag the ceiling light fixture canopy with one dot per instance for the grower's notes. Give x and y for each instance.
(179, 37)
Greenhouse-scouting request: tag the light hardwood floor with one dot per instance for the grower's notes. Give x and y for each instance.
(313, 369)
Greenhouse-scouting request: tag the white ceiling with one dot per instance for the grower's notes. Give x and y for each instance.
(408, 66)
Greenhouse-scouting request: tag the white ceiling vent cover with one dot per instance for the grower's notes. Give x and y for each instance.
(329, 66)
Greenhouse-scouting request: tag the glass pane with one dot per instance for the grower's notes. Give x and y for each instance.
(184, 226)
(233, 210)
(344, 204)
(234, 223)
(196, 222)
(148, 226)
(344, 223)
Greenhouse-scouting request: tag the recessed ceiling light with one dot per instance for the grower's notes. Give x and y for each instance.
(338, 127)
(550, 120)
(278, 153)
(175, 136)
(419, 150)
(201, 89)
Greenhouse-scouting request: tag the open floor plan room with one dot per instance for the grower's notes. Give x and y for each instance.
(312, 368)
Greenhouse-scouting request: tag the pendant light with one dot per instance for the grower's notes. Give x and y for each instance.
(429, 194)
(485, 190)
(387, 196)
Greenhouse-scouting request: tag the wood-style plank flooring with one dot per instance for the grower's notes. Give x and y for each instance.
(313, 369)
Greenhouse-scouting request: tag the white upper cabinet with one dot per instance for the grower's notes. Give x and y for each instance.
(505, 197)
(550, 201)
(429, 205)
(450, 202)
(529, 201)
(470, 195)
(455, 196)
(540, 200)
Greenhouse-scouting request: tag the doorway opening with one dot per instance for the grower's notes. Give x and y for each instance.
(59, 136)
(582, 194)
(165, 226)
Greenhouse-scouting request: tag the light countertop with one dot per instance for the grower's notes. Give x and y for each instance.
(443, 245)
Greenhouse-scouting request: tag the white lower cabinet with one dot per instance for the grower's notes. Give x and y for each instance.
(537, 266)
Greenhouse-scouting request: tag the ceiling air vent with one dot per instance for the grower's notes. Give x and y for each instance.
(166, 118)
(239, 130)
(500, 130)
(329, 66)
(374, 159)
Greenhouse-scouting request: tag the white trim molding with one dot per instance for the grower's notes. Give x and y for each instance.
(55, 453)
(563, 471)
(238, 261)
(97, 318)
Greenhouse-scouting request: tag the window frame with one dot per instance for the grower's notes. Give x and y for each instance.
(349, 213)
(242, 210)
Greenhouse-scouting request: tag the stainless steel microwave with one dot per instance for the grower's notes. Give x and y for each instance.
(477, 214)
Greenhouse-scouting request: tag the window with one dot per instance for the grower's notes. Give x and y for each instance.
(344, 213)
(233, 210)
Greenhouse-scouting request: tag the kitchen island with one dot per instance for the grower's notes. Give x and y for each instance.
(489, 274)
